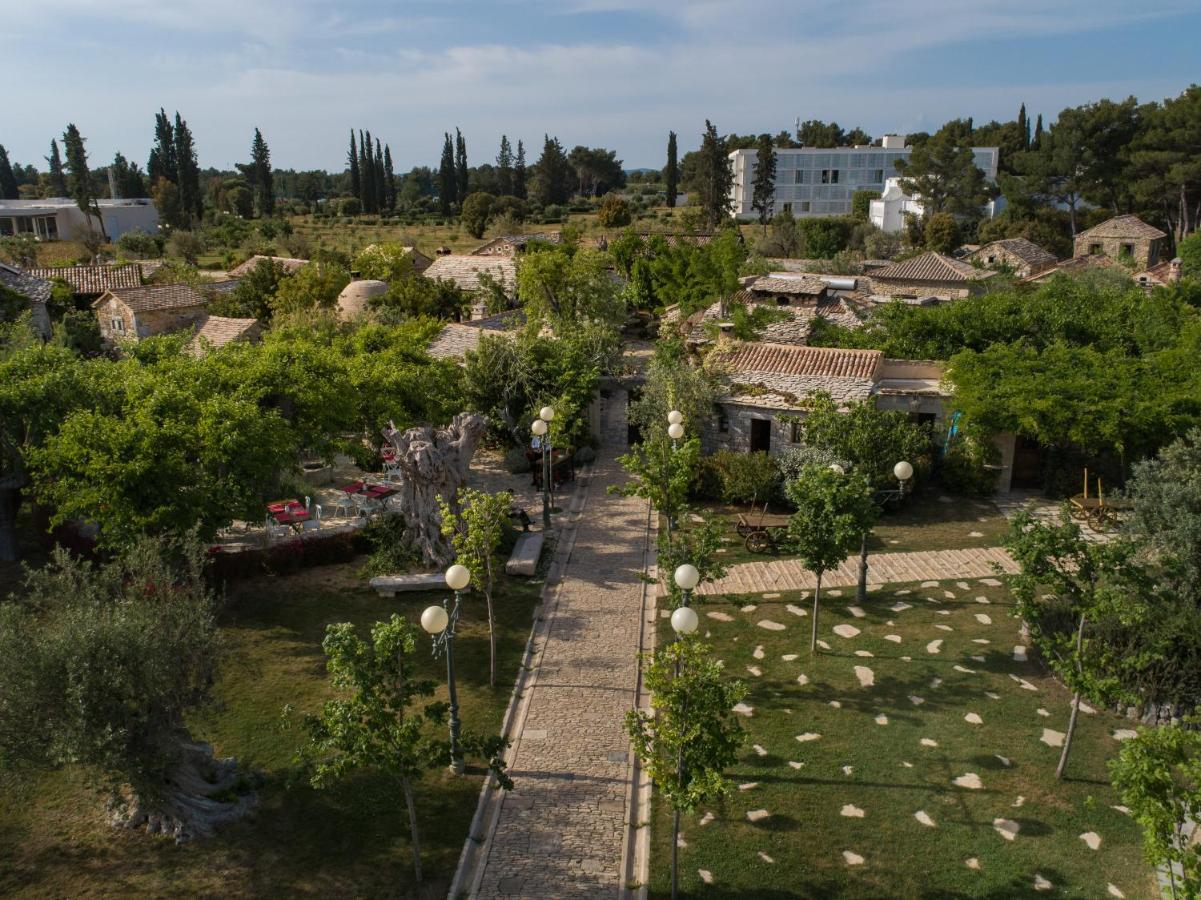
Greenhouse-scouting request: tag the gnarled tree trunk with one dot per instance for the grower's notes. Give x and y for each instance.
(199, 795)
(434, 462)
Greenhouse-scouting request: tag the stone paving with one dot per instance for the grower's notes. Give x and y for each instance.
(560, 832)
(883, 568)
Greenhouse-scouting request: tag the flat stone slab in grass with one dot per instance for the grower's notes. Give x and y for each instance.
(706, 875)
(934, 646)
(895, 638)
(1091, 839)
(846, 631)
(771, 596)
(1006, 828)
(929, 584)
(865, 653)
(743, 710)
(851, 811)
(769, 625)
(706, 818)
(720, 617)
(757, 815)
(1114, 890)
(802, 679)
(971, 781)
(991, 582)
(750, 607)
(915, 700)
(788, 657)
(755, 670)
(983, 600)
(972, 863)
(1041, 884)
(928, 742)
(767, 859)
(823, 645)
(852, 859)
(975, 534)
(973, 719)
(833, 593)
(924, 818)
(942, 627)
(983, 618)
(749, 786)
(758, 652)
(808, 736)
(906, 592)
(1052, 738)
(796, 610)
(900, 607)
(759, 751)
(865, 675)
(1124, 734)
(949, 595)
(881, 719)
(857, 612)
(964, 669)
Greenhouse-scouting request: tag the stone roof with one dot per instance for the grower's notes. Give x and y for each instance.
(21, 282)
(931, 266)
(93, 279)
(465, 270)
(1078, 264)
(153, 297)
(217, 331)
(700, 238)
(791, 327)
(1027, 251)
(289, 264)
(1123, 226)
(780, 376)
(517, 241)
(456, 338)
(787, 283)
(1161, 273)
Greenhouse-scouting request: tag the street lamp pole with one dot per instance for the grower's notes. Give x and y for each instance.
(440, 622)
(902, 471)
(684, 622)
(675, 431)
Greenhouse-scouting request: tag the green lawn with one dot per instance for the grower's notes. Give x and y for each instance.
(816, 809)
(349, 840)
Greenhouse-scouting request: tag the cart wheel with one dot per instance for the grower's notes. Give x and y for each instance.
(1079, 513)
(1102, 519)
(742, 529)
(758, 542)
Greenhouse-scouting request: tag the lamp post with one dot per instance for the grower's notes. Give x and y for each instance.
(675, 431)
(902, 471)
(440, 623)
(684, 622)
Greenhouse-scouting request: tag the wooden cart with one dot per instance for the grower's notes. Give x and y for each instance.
(762, 531)
(1101, 514)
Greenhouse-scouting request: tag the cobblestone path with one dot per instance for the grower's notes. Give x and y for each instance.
(883, 568)
(560, 832)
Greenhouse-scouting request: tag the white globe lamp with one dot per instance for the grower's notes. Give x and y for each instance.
(687, 577)
(434, 619)
(675, 431)
(458, 577)
(546, 414)
(684, 621)
(903, 471)
(675, 417)
(539, 427)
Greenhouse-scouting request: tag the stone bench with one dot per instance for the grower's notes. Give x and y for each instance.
(527, 550)
(391, 585)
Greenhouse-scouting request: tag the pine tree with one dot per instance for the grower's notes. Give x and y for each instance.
(554, 175)
(381, 189)
(763, 190)
(162, 163)
(127, 178)
(353, 159)
(190, 198)
(55, 180)
(446, 176)
(79, 178)
(671, 173)
(504, 167)
(8, 181)
(519, 188)
(460, 165)
(716, 177)
(261, 180)
(389, 179)
(1023, 128)
(1037, 140)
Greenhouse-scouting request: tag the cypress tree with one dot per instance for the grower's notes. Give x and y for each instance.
(671, 174)
(162, 163)
(190, 198)
(763, 190)
(1036, 142)
(79, 178)
(381, 188)
(366, 179)
(262, 182)
(519, 189)
(127, 177)
(8, 181)
(504, 167)
(353, 159)
(716, 179)
(460, 166)
(1023, 127)
(389, 179)
(446, 176)
(56, 181)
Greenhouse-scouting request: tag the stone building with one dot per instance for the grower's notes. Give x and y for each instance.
(35, 291)
(1024, 258)
(513, 244)
(457, 338)
(214, 332)
(89, 282)
(1160, 274)
(130, 314)
(476, 275)
(356, 297)
(1123, 236)
(926, 279)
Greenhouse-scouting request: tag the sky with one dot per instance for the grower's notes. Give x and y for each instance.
(612, 73)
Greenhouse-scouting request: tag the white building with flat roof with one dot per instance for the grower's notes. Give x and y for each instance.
(60, 219)
(818, 181)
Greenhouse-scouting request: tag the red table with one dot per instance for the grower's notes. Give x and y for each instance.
(289, 512)
(373, 491)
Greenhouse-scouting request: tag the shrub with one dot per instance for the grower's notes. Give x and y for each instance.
(706, 481)
(138, 244)
(794, 459)
(349, 206)
(941, 233)
(614, 212)
(748, 477)
(390, 553)
(965, 470)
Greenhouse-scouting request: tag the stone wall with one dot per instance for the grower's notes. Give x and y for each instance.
(1145, 251)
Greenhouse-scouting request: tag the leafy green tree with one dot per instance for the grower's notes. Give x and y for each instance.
(56, 182)
(716, 177)
(824, 237)
(186, 246)
(554, 177)
(101, 666)
(448, 194)
(815, 133)
(785, 239)
(671, 172)
(562, 288)
(372, 723)
(313, 286)
(1163, 175)
(1189, 251)
(476, 211)
(475, 531)
(389, 180)
(1073, 594)
(833, 512)
(763, 188)
(695, 540)
(861, 204)
(598, 171)
(1165, 494)
(1158, 776)
(614, 212)
(255, 291)
(673, 383)
(79, 178)
(661, 471)
(691, 735)
(941, 232)
(127, 177)
(8, 181)
(944, 174)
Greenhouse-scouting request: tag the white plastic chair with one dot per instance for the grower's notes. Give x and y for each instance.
(344, 505)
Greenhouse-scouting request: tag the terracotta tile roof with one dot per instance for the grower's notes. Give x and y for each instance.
(93, 279)
(465, 270)
(21, 282)
(156, 296)
(1027, 251)
(788, 359)
(930, 266)
(289, 263)
(1160, 273)
(456, 338)
(786, 283)
(1123, 226)
(217, 331)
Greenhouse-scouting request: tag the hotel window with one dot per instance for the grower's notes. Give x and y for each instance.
(829, 176)
(878, 176)
(1128, 248)
(6, 227)
(46, 227)
(804, 206)
(24, 225)
(788, 208)
(799, 177)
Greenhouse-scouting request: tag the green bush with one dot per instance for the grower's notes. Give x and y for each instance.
(706, 482)
(138, 244)
(965, 469)
(748, 477)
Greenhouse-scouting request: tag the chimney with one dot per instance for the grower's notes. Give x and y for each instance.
(355, 275)
(1174, 270)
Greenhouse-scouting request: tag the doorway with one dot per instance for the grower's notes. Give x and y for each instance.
(760, 435)
(1027, 464)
